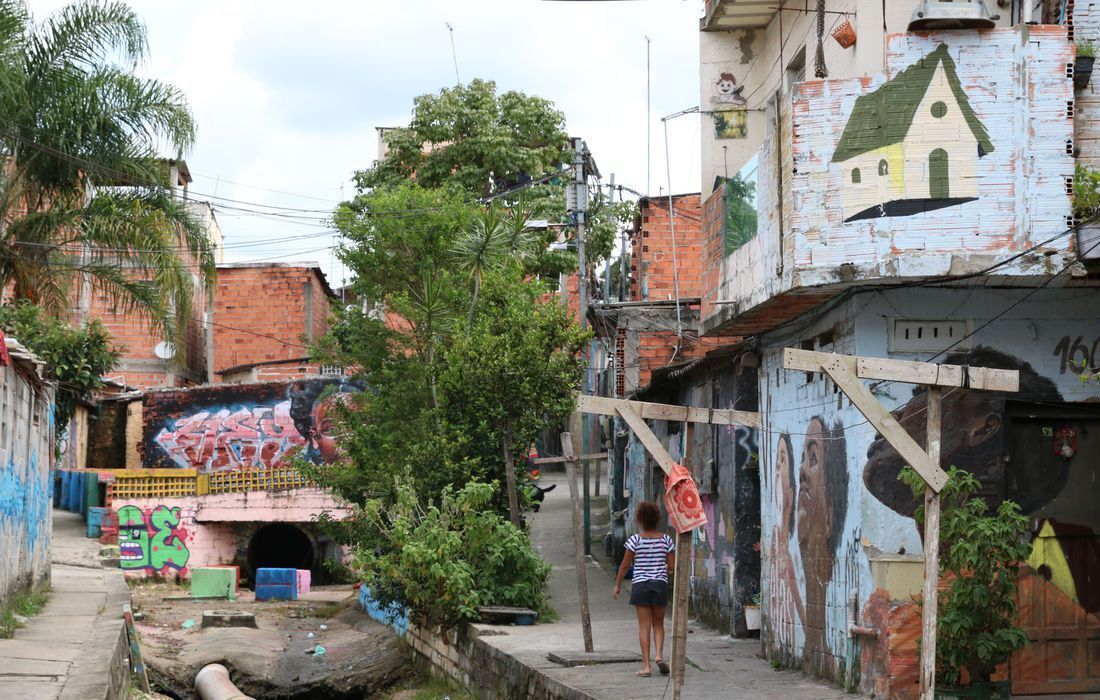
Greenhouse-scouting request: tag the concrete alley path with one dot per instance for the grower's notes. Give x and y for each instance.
(76, 647)
(720, 667)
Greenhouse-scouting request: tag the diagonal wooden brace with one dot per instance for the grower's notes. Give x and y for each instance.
(899, 439)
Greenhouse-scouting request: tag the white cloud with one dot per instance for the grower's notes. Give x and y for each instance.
(287, 94)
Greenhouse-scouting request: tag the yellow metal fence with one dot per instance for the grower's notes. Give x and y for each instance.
(161, 483)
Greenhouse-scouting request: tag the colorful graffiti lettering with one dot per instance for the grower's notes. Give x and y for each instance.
(154, 542)
(231, 439)
(235, 430)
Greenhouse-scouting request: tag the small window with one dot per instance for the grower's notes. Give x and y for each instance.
(883, 167)
(855, 176)
(939, 108)
(331, 371)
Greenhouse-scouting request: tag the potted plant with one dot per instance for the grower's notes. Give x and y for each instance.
(980, 551)
(752, 613)
(1082, 67)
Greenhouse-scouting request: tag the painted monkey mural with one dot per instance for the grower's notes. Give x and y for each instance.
(245, 426)
(152, 542)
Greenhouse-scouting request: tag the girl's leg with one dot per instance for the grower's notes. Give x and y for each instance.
(645, 622)
(658, 623)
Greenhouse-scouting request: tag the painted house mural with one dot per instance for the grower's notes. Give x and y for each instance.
(912, 145)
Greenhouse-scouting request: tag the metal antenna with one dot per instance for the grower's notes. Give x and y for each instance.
(458, 80)
(648, 116)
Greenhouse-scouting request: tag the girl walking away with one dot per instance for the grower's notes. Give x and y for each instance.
(651, 554)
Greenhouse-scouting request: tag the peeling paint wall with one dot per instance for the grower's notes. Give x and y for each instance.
(835, 520)
(26, 450)
(952, 194)
(725, 571)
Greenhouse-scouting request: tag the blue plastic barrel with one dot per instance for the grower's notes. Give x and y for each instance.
(96, 514)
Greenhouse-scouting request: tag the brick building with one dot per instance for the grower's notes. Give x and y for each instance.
(265, 315)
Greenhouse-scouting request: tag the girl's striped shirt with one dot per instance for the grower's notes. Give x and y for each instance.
(650, 563)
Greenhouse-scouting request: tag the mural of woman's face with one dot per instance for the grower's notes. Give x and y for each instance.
(324, 427)
(813, 512)
(783, 486)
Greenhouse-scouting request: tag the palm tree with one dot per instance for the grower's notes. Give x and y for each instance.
(85, 203)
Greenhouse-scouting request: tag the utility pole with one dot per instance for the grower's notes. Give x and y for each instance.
(580, 202)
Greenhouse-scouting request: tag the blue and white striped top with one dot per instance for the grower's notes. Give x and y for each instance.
(650, 563)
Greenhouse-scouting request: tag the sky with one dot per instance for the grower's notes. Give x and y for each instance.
(287, 95)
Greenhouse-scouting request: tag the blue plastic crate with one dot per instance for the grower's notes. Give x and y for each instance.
(286, 577)
(277, 591)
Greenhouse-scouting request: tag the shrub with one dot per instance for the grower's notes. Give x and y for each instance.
(979, 552)
(443, 562)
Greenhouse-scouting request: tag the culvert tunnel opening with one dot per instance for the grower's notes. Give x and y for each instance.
(280, 546)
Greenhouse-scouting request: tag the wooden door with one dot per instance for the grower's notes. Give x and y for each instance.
(1054, 473)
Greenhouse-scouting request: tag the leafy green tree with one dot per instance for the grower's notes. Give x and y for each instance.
(84, 200)
(442, 561)
(514, 371)
(75, 358)
(471, 138)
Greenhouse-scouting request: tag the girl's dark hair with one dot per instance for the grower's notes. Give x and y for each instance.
(648, 515)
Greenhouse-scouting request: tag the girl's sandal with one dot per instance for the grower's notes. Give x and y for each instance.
(662, 667)
(644, 674)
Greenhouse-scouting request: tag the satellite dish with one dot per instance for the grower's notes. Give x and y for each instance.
(164, 350)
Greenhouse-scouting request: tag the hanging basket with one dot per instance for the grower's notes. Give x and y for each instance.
(845, 35)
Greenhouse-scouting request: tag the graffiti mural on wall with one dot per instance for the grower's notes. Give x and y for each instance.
(975, 440)
(913, 145)
(785, 609)
(822, 506)
(246, 426)
(730, 116)
(152, 541)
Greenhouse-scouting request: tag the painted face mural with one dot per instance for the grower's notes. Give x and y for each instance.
(785, 608)
(154, 542)
(727, 91)
(822, 506)
(252, 427)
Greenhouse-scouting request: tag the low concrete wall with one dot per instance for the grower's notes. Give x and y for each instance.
(103, 670)
(484, 670)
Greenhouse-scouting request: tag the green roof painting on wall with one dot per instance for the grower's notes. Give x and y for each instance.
(912, 145)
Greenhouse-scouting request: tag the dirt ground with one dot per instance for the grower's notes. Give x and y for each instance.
(321, 647)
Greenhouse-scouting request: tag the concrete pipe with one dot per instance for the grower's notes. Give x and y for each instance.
(212, 683)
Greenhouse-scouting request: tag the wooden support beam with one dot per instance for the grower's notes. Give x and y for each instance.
(928, 373)
(661, 411)
(648, 439)
(681, 590)
(559, 460)
(839, 369)
(578, 533)
(931, 555)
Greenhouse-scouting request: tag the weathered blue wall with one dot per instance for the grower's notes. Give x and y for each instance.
(830, 501)
(724, 460)
(26, 445)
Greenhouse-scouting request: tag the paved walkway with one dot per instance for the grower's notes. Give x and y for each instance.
(720, 667)
(70, 649)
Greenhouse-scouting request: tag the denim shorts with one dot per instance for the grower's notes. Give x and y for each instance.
(652, 592)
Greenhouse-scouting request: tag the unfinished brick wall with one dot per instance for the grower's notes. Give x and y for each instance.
(267, 312)
(651, 268)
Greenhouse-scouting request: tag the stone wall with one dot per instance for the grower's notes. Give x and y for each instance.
(482, 669)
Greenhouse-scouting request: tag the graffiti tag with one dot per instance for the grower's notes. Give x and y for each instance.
(260, 436)
(152, 542)
(1076, 355)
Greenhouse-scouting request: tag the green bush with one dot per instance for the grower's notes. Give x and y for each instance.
(443, 562)
(980, 551)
